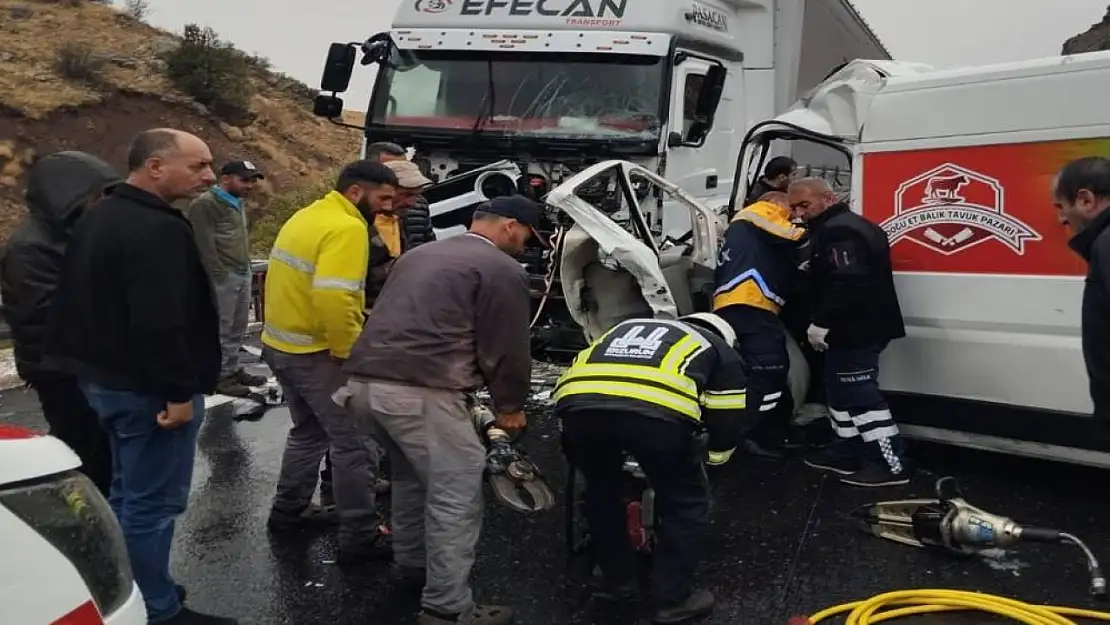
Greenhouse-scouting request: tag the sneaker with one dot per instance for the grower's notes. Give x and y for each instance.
(699, 604)
(311, 516)
(841, 459)
(873, 475)
(249, 379)
(482, 615)
(189, 617)
(229, 385)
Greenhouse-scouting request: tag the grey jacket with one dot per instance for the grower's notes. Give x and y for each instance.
(221, 234)
(453, 315)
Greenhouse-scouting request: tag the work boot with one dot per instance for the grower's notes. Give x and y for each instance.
(377, 549)
(230, 385)
(874, 474)
(249, 379)
(699, 604)
(189, 617)
(311, 516)
(842, 458)
(482, 615)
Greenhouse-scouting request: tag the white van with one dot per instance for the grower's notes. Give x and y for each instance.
(63, 560)
(957, 166)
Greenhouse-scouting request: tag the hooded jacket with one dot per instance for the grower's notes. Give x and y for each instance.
(58, 190)
(757, 265)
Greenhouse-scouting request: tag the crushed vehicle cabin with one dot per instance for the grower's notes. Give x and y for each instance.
(553, 87)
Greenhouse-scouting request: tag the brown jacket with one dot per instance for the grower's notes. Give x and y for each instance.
(454, 315)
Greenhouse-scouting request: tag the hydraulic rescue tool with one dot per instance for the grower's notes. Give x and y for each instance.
(952, 524)
(514, 479)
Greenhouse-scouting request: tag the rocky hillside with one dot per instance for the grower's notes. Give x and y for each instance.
(1097, 37)
(80, 74)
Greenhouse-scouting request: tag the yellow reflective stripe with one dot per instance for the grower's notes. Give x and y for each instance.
(641, 372)
(725, 400)
(679, 352)
(295, 262)
(717, 458)
(292, 338)
(660, 397)
(337, 284)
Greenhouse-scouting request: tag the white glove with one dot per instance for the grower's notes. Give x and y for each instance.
(816, 335)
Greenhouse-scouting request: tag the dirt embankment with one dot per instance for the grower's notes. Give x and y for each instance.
(75, 74)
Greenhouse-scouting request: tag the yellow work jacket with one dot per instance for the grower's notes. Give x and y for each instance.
(757, 264)
(314, 284)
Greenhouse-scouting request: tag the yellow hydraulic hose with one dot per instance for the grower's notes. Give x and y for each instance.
(900, 603)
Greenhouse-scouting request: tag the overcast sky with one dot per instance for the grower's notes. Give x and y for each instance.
(294, 34)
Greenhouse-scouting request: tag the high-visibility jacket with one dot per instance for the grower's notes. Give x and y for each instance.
(663, 369)
(315, 280)
(758, 261)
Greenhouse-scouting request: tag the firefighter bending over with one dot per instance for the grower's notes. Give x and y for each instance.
(665, 392)
(756, 272)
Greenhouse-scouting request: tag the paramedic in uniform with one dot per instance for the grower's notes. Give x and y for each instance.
(314, 313)
(665, 392)
(856, 313)
(1082, 196)
(756, 271)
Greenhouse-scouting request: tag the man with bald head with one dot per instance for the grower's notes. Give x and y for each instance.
(134, 319)
(855, 315)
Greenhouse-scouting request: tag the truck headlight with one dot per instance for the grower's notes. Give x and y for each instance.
(70, 513)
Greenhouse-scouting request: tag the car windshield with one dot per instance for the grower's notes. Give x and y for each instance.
(548, 95)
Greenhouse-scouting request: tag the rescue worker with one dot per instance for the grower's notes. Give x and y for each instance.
(453, 318)
(314, 312)
(60, 187)
(777, 175)
(856, 314)
(1082, 197)
(671, 394)
(757, 269)
(220, 228)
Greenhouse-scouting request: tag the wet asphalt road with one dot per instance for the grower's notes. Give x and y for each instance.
(778, 545)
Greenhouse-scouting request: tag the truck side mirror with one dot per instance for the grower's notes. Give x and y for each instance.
(338, 68)
(327, 106)
(709, 98)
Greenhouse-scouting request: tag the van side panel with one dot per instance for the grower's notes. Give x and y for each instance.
(989, 288)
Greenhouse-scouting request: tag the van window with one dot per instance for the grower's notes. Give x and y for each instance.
(692, 90)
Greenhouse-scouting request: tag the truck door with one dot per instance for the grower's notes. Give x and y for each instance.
(702, 168)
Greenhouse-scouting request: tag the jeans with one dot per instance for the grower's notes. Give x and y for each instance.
(152, 469)
(233, 297)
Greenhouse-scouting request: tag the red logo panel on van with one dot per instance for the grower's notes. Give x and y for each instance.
(984, 209)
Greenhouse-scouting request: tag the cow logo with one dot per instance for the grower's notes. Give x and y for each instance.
(949, 209)
(433, 6)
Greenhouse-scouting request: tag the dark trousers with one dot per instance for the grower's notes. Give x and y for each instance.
(152, 470)
(761, 341)
(76, 424)
(860, 415)
(595, 442)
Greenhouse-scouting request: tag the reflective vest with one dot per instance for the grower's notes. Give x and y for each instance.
(660, 368)
(315, 279)
(757, 265)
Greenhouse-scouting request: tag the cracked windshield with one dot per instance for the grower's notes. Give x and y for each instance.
(560, 96)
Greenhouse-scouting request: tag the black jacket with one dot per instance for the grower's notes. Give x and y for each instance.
(135, 309)
(1093, 244)
(758, 190)
(416, 225)
(853, 281)
(58, 188)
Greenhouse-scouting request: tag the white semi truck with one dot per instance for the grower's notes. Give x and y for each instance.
(543, 89)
